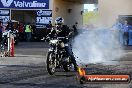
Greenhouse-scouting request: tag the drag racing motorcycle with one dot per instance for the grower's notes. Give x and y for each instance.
(57, 56)
(5, 38)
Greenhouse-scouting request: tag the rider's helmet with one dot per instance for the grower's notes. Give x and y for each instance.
(59, 21)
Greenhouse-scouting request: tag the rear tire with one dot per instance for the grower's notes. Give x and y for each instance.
(82, 80)
(66, 65)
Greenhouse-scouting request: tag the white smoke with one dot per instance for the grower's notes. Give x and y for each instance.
(97, 46)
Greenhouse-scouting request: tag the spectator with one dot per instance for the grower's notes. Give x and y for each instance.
(21, 31)
(1, 43)
(33, 28)
(1, 29)
(75, 29)
(28, 32)
(118, 27)
(49, 25)
(126, 33)
(10, 26)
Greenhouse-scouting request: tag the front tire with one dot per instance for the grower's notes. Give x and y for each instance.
(51, 63)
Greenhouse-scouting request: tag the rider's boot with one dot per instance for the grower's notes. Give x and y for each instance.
(75, 66)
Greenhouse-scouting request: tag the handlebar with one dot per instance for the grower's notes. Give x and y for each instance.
(60, 37)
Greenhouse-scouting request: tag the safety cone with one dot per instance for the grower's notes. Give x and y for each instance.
(12, 48)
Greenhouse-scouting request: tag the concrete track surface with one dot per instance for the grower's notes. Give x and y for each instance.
(28, 69)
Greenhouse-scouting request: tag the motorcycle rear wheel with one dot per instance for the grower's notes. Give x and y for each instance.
(66, 65)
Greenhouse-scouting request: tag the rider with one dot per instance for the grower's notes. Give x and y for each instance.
(64, 31)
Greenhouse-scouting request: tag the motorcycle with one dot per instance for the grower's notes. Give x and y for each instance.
(57, 56)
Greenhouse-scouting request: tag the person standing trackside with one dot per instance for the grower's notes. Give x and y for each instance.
(10, 26)
(1, 29)
(126, 33)
(118, 26)
(21, 31)
(28, 32)
(49, 25)
(75, 29)
(1, 43)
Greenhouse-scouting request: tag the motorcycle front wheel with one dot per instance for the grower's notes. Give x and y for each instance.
(51, 63)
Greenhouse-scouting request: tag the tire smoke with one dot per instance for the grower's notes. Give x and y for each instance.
(97, 46)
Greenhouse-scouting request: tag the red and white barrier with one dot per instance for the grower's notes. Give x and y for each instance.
(10, 45)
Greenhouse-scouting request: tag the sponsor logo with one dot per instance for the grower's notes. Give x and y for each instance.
(22, 3)
(44, 13)
(6, 3)
(4, 12)
(29, 4)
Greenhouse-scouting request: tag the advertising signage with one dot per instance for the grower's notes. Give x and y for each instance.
(4, 15)
(43, 17)
(25, 4)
